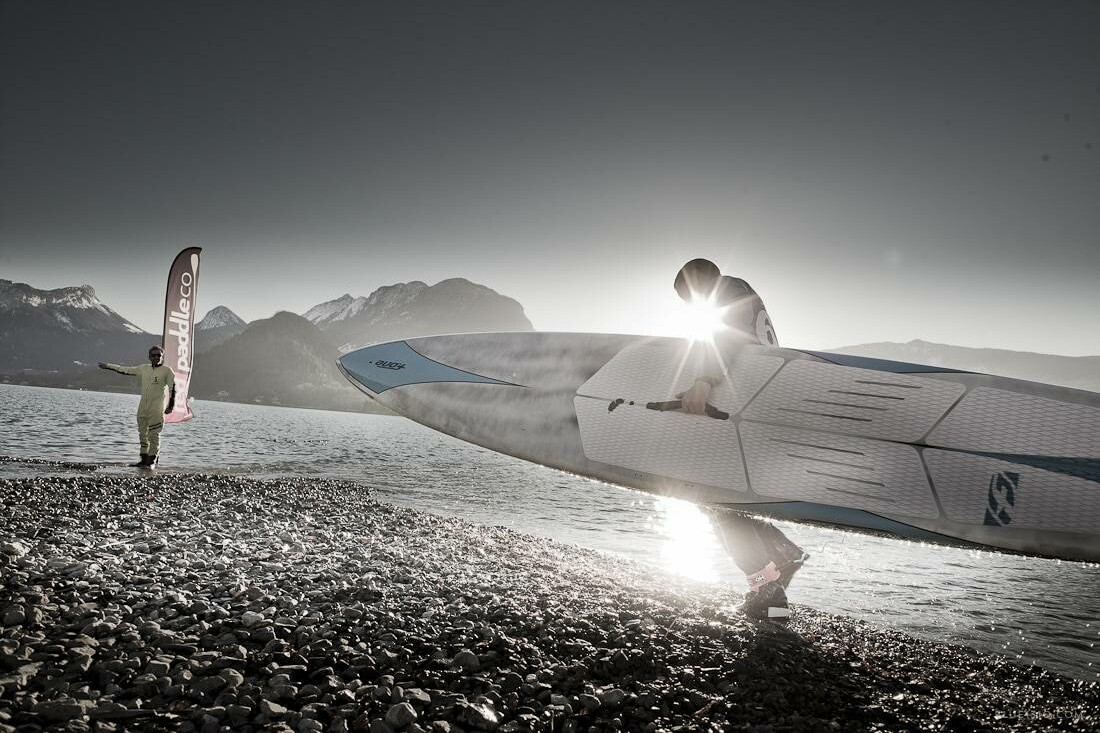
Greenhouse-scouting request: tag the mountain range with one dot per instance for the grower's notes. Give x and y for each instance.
(412, 309)
(55, 337)
(62, 329)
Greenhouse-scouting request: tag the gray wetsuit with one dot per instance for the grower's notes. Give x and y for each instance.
(157, 382)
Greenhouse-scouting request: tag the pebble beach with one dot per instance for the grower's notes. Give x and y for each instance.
(200, 602)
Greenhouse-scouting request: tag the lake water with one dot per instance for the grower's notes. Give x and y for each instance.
(1043, 612)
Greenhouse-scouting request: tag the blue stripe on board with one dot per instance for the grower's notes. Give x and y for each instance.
(1086, 468)
(882, 365)
(804, 511)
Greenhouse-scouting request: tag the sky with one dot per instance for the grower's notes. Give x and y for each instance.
(878, 171)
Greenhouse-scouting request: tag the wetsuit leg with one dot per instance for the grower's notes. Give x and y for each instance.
(753, 543)
(143, 433)
(154, 437)
(781, 549)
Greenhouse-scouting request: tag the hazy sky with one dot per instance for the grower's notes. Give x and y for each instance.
(879, 171)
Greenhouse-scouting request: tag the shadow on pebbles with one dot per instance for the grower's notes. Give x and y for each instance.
(206, 603)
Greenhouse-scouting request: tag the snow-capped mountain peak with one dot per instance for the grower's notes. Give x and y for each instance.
(339, 309)
(416, 309)
(219, 317)
(80, 296)
(65, 305)
(323, 312)
(380, 301)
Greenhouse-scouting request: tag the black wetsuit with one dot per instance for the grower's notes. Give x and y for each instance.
(751, 543)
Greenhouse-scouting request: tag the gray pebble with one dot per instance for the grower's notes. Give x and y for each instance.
(399, 716)
(191, 611)
(272, 709)
(466, 660)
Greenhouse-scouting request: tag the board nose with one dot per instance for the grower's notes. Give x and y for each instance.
(396, 364)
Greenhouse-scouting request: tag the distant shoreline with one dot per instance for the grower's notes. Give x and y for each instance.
(379, 411)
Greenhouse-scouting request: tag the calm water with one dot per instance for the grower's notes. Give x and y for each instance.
(1043, 612)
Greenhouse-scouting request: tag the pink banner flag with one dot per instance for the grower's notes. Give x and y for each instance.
(179, 327)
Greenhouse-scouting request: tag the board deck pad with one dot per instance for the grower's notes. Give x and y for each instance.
(671, 445)
(853, 401)
(803, 465)
(866, 444)
(997, 420)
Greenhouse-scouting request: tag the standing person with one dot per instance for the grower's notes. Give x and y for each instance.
(157, 380)
(767, 557)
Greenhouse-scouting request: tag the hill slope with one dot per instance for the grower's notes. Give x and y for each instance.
(282, 360)
(1079, 372)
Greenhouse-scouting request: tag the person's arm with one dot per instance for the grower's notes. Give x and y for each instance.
(703, 360)
(695, 399)
(131, 370)
(171, 396)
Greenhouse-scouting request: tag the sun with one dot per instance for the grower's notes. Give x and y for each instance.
(701, 318)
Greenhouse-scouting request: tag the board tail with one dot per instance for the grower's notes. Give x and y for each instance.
(179, 327)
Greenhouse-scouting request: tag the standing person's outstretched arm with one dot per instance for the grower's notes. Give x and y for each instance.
(131, 370)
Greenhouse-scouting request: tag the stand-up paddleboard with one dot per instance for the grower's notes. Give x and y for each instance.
(915, 451)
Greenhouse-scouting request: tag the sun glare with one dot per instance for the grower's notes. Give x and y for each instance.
(690, 545)
(701, 319)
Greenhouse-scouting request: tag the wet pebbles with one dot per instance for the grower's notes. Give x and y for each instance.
(209, 603)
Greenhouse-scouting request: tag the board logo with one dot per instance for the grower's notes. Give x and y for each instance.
(1002, 498)
(389, 364)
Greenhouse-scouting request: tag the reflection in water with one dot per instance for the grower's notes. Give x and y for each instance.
(689, 545)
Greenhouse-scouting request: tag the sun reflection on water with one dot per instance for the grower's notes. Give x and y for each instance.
(689, 546)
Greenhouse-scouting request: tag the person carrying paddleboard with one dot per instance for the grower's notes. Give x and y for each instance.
(157, 381)
(767, 557)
